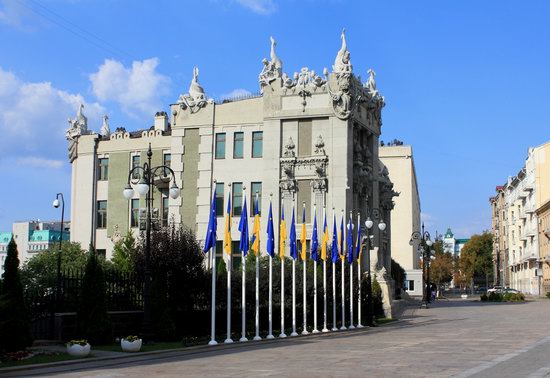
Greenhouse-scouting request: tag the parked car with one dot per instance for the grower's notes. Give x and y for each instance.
(502, 290)
(496, 289)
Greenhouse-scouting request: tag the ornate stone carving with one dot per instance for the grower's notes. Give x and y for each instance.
(342, 63)
(319, 184)
(196, 98)
(289, 148)
(371, 83)
(117, 236)
(77, 126)
(320, 146)
(288, 185)
(105, 129)
(272, 68)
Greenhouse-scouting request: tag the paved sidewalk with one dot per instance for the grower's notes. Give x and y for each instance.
(453, 338)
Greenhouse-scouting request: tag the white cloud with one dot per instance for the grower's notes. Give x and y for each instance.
(33, 117)
(138, 89)
(239, 92)
(263, 7)
(39, 162)
(14, 13)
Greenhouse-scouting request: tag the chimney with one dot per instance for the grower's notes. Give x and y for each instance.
(161, 121)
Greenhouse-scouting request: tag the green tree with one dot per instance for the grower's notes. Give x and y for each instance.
(476, 259)
(39, 274)
(441, 266)
(123, 252)
(93, 322)
(15, 328)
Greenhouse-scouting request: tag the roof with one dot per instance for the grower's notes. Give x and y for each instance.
(449, 233)
(47, 235)
(5, 237)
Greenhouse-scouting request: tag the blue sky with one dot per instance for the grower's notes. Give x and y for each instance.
(467, 83)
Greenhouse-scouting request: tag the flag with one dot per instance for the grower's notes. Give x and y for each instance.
(256, 230)
(212, 226)
(270, 246)
(282, 234)
(227, 245)
(359, 244)
(324, 240)
(349, 240)
(303, 253)
(314, 237)
(293, 241)
(334, 251)
(341, 240)
(244, 245)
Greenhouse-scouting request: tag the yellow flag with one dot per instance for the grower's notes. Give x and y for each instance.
(256, 234)
(282, 235)
(227, 233)
(324, 240)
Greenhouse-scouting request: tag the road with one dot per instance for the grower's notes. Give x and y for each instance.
(456, 338)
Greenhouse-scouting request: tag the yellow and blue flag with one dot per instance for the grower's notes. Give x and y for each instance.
(212, 226)
(349, 241)
(341, 240)
(359, 244)
(270, 245)
(303, 237)
(256, 230)
(227, 243)
(244, 244)
(293, 241)
(335, 254)
(324, 239)
(282, 234)
(314, 237)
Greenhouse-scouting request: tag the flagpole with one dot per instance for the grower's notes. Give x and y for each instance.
(229, 340)
(243, 296)
(293, 225)
(270, 308)
(334, 328)
(343, 288)
(304, 281)
(282, 334)
(359, 243)
(315, 329)
(325, 329)
(351, 326)
(213, 271)
(257, 337)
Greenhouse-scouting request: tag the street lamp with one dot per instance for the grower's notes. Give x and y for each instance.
(144, 177)
(366, 239)
(425, 244)
(55, 204)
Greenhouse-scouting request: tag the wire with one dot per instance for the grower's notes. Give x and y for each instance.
(75, 29)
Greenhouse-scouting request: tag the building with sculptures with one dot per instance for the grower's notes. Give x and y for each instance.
(305, 139)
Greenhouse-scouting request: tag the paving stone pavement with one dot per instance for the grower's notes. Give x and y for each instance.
(456, 338)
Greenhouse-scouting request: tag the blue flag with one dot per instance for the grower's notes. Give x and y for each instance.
(314, 241)
(358, 245)
(270, 245)
(293, 246)
(349, 240)
(244, 244)
(335, 255)
(212, 226)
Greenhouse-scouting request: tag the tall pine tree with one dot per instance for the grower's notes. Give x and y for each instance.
(15, 327)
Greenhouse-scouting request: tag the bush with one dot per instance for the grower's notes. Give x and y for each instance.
(514, 297)
(483, 297)
(548, 295)
(495, 297)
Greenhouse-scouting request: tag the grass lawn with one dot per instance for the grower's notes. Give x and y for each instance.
(39, 359)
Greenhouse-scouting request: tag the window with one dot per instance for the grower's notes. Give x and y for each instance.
(237, 200)
(304, 137)
(165, 208)
(134, 213)
(101, 214)
(220, 146)
(256, 188)
(136, 161)
(257, 144)
(103, 169)
(411, 285)
(238, 145)
(167, 161)
(219, 199)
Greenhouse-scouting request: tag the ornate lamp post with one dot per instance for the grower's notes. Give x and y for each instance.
(144, 178)
(425, 244)
(381, 226)
(58, 286)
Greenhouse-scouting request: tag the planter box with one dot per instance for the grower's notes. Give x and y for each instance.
(78, 350)
(130, 346)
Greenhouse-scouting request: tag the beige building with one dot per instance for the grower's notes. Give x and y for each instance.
(399, 162)
(305, 138)
(500, 246)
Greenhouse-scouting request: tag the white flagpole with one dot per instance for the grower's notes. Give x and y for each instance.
(282, 334)
(270, 310)
(304, 284)
(343, 288)
(294, 333)
(359, 325)
(315, 329)
(213, 271)
(243, 296)
(257, 337)
(325, 329)
(334, 328)
(229, 340)
(351, 326)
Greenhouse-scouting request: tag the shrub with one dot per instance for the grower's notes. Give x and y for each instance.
(495, 297)
(483, 297)
(548, 295)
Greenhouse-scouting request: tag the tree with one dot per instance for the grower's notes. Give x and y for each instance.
(15, 327)
(441, 266)
(123, 252)
(476, 258)
(93, 322)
